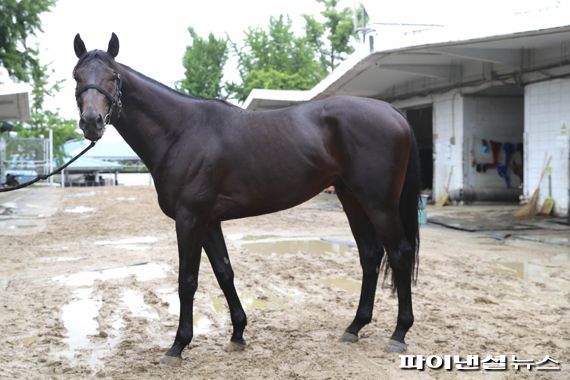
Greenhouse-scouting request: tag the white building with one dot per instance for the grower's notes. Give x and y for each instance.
(487, 105)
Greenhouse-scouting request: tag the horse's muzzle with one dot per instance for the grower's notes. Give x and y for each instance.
(92, 124)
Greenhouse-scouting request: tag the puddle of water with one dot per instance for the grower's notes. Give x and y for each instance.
(343, 283)
(537, 271)
(79, 315)
(82, 194)
(9, 205)
(201, 323)
(134, 300)
(126, 198)
(143, 272)
(132, 244)
(218, 305)
(261, 299)
(56, 259)
(170, 296)
(293, 246)
(25, 225)
(79, 320)
(79, 210)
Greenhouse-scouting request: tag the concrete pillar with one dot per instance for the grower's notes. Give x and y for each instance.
(547, 130)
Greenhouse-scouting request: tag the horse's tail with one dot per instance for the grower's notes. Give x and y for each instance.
(409, 204)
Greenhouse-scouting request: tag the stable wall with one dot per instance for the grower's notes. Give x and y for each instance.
(546, 131)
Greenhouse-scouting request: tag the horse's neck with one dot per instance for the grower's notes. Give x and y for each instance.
(146, 121)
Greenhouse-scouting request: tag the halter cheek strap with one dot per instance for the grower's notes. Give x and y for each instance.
(114, 100)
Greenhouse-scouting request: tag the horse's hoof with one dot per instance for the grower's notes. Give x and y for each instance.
(349, 337)
(395, 346)
(235, 346)
(171, 361)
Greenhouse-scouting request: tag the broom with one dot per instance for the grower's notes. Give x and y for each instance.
(548, 204)
(529, 209)
(442, 200)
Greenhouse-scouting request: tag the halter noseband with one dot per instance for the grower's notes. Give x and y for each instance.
(114, 100)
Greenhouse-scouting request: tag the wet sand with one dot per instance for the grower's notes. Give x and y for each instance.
(89, 290)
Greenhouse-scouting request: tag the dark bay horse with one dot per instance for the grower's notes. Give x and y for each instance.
(212, 161)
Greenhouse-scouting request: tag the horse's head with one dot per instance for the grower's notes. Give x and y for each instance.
(98, 90)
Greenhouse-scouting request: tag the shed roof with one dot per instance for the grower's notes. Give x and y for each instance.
(435, 58)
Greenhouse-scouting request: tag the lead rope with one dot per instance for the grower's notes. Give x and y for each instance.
(46, 176)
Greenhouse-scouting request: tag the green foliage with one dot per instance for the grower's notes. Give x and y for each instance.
(272, 58)
(18, 20)
(337, 32)
(275, 59)
(44, 120)
(203, 62)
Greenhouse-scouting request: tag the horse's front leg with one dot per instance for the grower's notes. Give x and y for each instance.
(190, 232)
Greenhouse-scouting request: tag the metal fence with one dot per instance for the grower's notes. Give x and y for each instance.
(24, 158)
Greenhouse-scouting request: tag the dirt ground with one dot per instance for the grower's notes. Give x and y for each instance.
(88, 289)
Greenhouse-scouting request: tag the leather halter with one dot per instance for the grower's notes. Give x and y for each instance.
(114, 100)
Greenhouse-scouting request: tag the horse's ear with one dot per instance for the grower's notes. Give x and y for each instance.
(113, 48)
(79, 46)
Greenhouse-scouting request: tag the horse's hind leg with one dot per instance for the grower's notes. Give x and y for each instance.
(401, 256)
(371, 253)
(215, 248)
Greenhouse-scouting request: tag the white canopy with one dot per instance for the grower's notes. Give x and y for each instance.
(14, 101)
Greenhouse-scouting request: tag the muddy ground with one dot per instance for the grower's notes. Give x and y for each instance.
(88, 280)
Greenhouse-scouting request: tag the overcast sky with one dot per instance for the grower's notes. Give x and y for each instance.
(153, 34)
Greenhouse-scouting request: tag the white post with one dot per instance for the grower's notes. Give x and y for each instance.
(50, 155)
(2, 159)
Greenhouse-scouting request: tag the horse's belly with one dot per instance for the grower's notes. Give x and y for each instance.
(264, 198)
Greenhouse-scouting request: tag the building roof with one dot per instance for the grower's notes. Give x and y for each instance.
(436, 60)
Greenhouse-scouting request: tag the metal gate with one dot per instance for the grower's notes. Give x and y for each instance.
(23, 158)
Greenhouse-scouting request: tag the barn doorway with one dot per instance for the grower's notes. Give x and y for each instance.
(421, 120)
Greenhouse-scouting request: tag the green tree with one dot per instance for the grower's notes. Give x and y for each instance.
(20, 19)
(272, 58)
(275, 59)
(204, 63)
(44, 120)
(332, 39)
